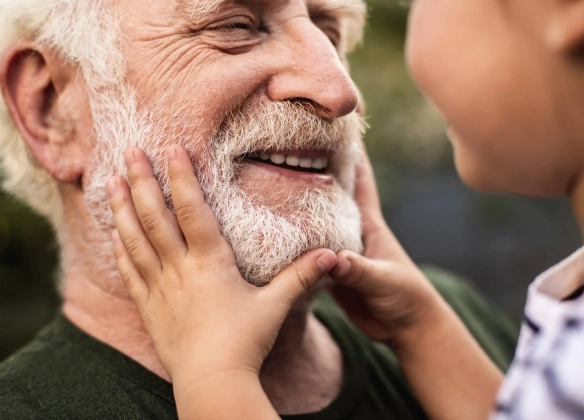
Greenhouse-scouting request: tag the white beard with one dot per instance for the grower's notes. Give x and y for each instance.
(264, 239)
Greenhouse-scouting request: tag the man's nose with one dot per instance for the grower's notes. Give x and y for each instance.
(311, 72)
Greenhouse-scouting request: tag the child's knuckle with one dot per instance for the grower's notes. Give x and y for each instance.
(128, 280)
(134, 244)
(363, 267)
(150, 222)
(186, 213)
(134, 177)
(304, 278)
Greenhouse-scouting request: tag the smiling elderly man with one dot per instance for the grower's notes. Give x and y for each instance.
(257, 91)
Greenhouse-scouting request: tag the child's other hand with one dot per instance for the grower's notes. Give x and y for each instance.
(390, 299)
(203, 317)
(383, 292)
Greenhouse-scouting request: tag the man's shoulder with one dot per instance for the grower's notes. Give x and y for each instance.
(46, 371)
(30, 377)
(68, 375)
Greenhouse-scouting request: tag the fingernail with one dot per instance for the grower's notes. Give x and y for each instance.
(344, 268)
(129, 157)
(171, 153)
(326, 262)
(111, 187)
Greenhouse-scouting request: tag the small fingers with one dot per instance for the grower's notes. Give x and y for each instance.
(197, 221)
(354, 271)
(157, 220)
(131, 234)
(366, 194)
(377, 237)
(133, 280)
(301, 276)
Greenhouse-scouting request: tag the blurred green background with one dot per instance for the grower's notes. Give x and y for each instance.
(500, 243)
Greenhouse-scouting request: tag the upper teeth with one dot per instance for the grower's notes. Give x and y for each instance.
(290, 160)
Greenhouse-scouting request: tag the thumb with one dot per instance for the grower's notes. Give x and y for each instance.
(298, 278)
(354, 271)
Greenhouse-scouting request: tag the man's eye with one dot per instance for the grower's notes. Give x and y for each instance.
(332, 35)
(235, 35)
(329, 27)
(334, 38)
(246, 25)
(234, 25)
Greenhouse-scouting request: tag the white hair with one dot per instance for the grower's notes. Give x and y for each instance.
(82, 33)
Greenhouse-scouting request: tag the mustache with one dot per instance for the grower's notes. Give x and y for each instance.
(259, 126)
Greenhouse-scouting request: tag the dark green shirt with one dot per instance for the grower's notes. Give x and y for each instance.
(66, 374)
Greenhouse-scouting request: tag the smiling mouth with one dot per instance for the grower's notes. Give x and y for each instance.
(308, 162)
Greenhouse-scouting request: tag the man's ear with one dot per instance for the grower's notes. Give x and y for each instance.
(565, 31)
(48, 105)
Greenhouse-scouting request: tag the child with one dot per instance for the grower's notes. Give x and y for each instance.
(508, 78)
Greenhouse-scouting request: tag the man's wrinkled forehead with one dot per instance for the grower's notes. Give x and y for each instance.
(199, 7)
(352, 10)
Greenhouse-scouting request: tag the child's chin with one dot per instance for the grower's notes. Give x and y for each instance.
(474, 176)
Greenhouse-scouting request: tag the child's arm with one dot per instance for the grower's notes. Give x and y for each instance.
(203, 345)
(389, 298)
(211, 329)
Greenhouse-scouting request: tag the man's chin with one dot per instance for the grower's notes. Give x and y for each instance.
(265, 240)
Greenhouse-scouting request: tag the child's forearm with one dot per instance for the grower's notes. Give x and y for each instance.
(228, 395)
(449, 373)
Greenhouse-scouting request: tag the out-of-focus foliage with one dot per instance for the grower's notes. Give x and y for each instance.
(405, 128)
(27, 272)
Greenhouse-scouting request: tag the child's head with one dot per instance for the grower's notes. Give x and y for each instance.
(508, 76)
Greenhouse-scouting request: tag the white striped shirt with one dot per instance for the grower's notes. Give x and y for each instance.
(546, 378)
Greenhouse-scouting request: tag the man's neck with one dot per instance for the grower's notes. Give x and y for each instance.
(302, 374)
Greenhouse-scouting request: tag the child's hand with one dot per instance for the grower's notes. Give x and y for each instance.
(204, 318)
(389, 298)
(383, 292)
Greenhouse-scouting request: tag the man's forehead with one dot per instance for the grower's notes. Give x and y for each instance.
(200, 7)
(341, 7)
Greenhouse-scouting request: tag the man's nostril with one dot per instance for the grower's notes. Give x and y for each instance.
(311, 106)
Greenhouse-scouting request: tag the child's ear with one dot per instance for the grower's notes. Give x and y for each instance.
(565, 31)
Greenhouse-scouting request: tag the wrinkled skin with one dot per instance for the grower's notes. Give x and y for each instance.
(212, 68)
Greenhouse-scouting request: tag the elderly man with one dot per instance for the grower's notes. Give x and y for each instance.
(257, 92)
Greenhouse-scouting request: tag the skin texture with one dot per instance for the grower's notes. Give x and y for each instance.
(217, 60)
(295, 61)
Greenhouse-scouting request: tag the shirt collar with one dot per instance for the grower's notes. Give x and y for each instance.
(562, 279)
(546, 293)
